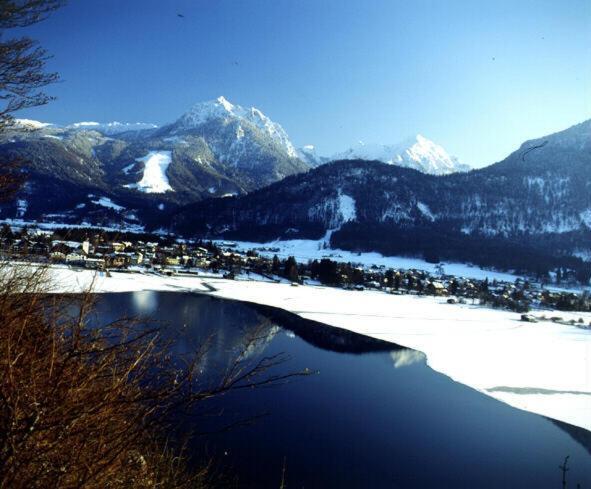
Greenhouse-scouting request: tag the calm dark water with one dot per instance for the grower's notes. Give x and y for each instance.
(375, 416)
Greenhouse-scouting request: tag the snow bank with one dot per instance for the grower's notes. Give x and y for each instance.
(544, 368)
(154, 179)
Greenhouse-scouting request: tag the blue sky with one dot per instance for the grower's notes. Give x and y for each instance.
(478, 77)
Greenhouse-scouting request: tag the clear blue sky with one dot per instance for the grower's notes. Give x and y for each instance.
(478, 77)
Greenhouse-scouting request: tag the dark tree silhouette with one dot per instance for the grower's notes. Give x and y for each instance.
(22, 59)
(22, 75)
(291, 269)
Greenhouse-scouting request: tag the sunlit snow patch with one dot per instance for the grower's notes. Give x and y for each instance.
(154, 179)
(21, 208)
(424, 208)
(128, 168)
(347, 207)
(106, 202)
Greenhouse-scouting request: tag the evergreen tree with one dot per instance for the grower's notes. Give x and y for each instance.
(484, 285)
(6, 233)
(558, 275)
(453, 287)
(410, 281)
(397, 280)
(291, 269)
(328, 272)
(276, 266)
(389, 277)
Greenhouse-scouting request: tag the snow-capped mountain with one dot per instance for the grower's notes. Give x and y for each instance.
(215, 149)
(236, 116)
(29, 124)
(106, 128)
(111, 128)
(309, 154)
(418, 153)
(248, 146)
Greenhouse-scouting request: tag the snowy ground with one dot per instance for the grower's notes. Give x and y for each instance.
(305, 249)
(20, 223)
(544, 367)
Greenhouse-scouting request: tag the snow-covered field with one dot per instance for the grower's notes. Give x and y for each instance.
(306, 249)
(544, 367)
(48, 226)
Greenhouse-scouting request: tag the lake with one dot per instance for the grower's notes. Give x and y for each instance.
(373, 416)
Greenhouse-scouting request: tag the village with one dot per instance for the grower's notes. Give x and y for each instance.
(109, 251)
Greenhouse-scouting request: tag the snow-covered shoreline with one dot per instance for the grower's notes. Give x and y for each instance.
(544, 368)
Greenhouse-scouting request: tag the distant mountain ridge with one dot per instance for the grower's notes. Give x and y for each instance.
(214, 149)
(417, 152)
(308, 154)
(111, 128)
(537, 200)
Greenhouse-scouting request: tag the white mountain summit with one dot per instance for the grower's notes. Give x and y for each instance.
(418, 153)
(221, 109)
(106, 128)
(309, 154)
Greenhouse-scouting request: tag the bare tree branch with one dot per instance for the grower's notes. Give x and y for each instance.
(23, 75)
(22, 13)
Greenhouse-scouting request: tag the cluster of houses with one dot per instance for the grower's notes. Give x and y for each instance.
(170, 256)
(105, 254)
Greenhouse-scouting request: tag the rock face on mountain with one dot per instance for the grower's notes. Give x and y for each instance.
(536, 201)
(418, 153)
(253, 150)
(215, 149)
